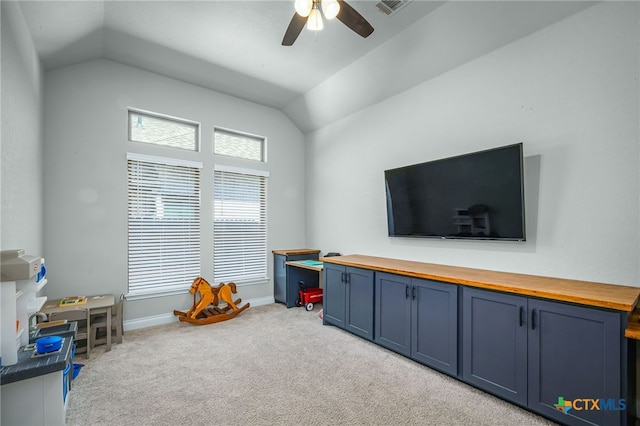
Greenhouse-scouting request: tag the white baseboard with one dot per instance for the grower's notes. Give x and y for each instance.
(168, 318)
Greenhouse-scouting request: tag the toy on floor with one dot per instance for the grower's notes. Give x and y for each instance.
(307, 296)
(206, 310)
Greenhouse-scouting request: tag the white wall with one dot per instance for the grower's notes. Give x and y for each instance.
(569, 92)
(455, 33)
(85, 174)
(21, 136)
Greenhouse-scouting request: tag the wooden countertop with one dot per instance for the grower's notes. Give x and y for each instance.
(610, 296)
(633, 325)
(294, 252)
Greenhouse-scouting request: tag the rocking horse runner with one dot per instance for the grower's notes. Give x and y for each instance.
(206, 310)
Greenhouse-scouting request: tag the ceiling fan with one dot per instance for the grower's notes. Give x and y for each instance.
(308, 12)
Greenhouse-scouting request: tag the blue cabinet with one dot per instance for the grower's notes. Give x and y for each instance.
(418, 318)
(494, 343)
(285, 286)
(434, 325)
(348, 299)
(576, 353)
(334, 295)
(393, 312)
(537, 353)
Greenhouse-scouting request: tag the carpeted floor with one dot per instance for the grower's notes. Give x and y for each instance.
(271, 366)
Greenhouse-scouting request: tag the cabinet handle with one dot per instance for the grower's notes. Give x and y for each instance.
(413, 293)
(342, 279)
(533, 319)
(520, 315)
(406, 291)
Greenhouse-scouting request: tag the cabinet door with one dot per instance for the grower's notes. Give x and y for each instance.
(434, 325)
(280, 278)
(334, 300)
(360, 291)
(495, 343)
(393, 312)
(575, 353)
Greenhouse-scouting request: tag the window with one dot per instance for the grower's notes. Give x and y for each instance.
(241, 145)
(163, 225)
(160, 130)
(239, 225)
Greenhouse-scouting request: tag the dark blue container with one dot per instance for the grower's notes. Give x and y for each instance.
(48, 344)
(76, 370)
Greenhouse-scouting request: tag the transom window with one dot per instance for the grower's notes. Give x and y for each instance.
(161, 130)
(240, 145)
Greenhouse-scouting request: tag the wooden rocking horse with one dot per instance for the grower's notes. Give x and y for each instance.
(206, 310)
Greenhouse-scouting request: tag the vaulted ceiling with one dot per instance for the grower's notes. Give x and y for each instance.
(235, 47)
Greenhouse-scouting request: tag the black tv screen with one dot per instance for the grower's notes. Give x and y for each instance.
(473, 196)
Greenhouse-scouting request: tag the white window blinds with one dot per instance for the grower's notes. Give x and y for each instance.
(240, 225)
(163, 224)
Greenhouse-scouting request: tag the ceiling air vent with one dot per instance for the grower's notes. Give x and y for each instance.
(389, 7)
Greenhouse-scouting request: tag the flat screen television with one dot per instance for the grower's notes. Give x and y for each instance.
(473, 196)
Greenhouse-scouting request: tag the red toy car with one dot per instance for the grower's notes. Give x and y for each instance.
(308, 296)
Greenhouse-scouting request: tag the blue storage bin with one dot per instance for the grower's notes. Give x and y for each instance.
(76, 370)
(65, 383)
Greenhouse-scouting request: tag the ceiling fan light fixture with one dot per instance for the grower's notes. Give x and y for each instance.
(303, 7)
(308, 15)
(330, 8)
(314, 23)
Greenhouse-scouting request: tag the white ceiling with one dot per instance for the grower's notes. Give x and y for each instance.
(235, 47)
(240, 36)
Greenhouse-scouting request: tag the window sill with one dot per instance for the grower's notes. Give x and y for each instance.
(251, 281)
(151, 295)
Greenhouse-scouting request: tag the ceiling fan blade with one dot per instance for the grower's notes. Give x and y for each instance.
(354, 20)
(294, 29)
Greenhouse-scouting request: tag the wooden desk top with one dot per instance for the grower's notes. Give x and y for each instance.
(93, 302)
(610, 296)
(293, 252)
(302, 264)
